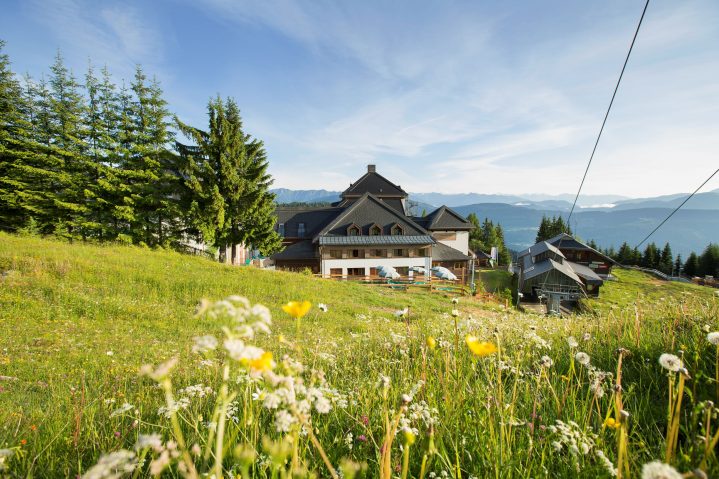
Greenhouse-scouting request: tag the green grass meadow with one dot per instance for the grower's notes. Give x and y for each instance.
(78, 321)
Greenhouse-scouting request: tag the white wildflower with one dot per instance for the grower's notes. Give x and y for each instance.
(110, 353)
(271, 401)
(572, 342)
(204, 344)
(546, 362)
(608, 466)
(145, 441)
(322, 307)
(586, 337)
(670, 362)
(161, 372)
(582, 358)
(713, 338)
(284, 421)
(160, 463)
(455, 300)
(261, 312)
(4, 455)
(322, 405)
(659, 470)
(235, 348)
(455, 313)
(113, 466)
(122, 410)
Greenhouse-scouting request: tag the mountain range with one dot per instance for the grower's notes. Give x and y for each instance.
(607, 219)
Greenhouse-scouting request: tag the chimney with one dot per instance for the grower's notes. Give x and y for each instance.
(371, 168)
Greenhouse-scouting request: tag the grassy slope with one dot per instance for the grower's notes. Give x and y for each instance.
(63, 307)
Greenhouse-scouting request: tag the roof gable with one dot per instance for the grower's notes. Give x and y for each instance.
(445, 218)
(313, 218)
(570, 242)
(375, 184)
(367, 211)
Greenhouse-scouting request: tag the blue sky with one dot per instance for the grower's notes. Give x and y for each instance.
(486, 97)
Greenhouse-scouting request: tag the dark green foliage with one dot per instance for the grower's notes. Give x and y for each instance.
(666, 260)
(691, 267)
(229, 200)
(551, 227)
(709, 261)
(486, 235)
(95, 162)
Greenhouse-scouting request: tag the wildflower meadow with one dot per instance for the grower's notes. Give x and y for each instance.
(126, 362)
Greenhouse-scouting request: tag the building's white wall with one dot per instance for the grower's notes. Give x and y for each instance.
(367, 263)
(461, 243)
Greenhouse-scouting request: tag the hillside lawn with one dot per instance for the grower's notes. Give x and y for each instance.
(79, 320)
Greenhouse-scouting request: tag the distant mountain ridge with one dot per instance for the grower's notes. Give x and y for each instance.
(628, 219)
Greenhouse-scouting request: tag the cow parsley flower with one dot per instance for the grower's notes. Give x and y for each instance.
(145, 441)
(113, 466)
(284, 421)
(670, 362)
(204, 344)
(659, 470)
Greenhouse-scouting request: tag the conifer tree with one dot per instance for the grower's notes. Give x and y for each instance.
(666, 260)
(14, 207)
(678, 265)
(691, 267)
(543, 233)
(709, 261)
(229, 184)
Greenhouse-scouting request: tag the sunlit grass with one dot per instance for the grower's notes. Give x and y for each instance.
(81, 320)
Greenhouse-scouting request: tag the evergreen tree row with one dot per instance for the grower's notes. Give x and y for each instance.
(486, 235)
(704, 264)
(93, 160)
(551, 227)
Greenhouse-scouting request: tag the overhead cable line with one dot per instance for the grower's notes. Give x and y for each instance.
(606, 115)
(676, 209)
(604, 122)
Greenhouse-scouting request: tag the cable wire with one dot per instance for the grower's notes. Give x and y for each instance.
(604, 122)
(676, 209)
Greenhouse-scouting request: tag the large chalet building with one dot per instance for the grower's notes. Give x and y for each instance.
(371, 227)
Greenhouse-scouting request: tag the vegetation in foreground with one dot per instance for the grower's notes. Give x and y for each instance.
(453, 390)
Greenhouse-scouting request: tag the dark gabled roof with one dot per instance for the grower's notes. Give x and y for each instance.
(445, 218)
(587, 274)
(376, 184)
(442, 252)
(540, 248)
(302, 250)
(383, 240)
(530, 270)
(570, 242)
(365, 212)
(313, 218)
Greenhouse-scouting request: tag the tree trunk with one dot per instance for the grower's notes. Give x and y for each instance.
(234, 253)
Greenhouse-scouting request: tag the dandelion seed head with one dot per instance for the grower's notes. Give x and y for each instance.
(670, 362)
(659, 470)
(572, 342)
(582, 358)
(713, 338)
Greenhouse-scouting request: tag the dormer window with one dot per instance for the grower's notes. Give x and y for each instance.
(301, 230)
(281, 229)
(397, 230)
(354, 230)
(375, 230)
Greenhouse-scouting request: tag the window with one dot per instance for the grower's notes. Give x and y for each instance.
(336, 253)
(353, 230)
(355, 271)
(377, 253)
(335, 272)
(396, 230)
(357, 253)
(403, 270)
(375, 230)
(300, 230)
(398, 252)
(281, 229)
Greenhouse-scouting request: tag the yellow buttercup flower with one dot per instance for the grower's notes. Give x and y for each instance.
(297, 309)
(263, 363)
(480, 348)
(611, 423)
(431, 343)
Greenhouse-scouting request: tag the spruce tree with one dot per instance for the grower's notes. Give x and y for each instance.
(691, 267)
(666, 260)
(67, 141)
(709, 261)
(543, 232)
(678, 265)
(229, 184)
